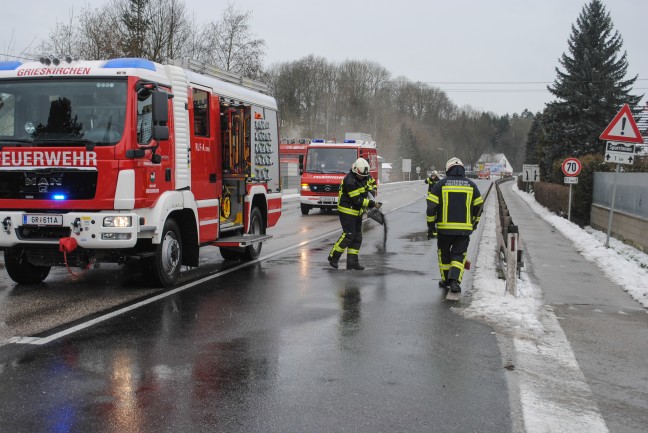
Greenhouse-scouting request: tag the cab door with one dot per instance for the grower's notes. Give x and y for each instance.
(206, 182)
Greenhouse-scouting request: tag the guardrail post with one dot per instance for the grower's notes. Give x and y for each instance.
(512, 259)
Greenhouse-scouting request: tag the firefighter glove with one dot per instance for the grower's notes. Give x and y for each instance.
(378, 205)
(372, 204)
(431, 231)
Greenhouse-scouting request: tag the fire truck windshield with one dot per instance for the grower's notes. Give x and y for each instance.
(330, 160)
(62, 112)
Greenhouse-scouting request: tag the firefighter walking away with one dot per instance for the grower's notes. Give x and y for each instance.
(353, 199)
(432, 180)
(453, 207)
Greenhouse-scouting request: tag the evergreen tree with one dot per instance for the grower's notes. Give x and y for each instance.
(591, 89)
(136, 23)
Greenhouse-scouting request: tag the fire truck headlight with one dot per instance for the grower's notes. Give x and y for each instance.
(305, 187)
(117, 221)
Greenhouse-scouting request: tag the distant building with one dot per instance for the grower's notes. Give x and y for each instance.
(495, 163)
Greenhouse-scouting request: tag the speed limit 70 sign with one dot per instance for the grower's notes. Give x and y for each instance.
(571, 167)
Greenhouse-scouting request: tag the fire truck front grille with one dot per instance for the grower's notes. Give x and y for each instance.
(327, 187)
(48, 184)
(42, 233)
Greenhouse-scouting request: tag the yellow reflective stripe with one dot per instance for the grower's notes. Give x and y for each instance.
(442, 266)
(365, 202)
(352, 251)
(349, 211)
(433, 198)
(357, 192)
(430, 219)
(454, 226)
(479, 200)
(446, 190)
(336, 246)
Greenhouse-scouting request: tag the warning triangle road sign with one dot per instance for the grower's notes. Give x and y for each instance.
(622, 128)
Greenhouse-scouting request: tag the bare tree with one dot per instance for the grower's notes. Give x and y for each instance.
(230, 44)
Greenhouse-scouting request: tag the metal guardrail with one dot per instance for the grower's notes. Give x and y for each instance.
(509, 243)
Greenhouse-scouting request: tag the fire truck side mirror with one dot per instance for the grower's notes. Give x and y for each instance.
(159, 132)
(160, 115)
(160, 108)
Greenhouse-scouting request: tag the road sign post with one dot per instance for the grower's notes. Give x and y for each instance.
(619, 134)
(571, 167)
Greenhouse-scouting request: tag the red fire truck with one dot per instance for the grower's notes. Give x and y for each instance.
(325, 165)
(121, 159)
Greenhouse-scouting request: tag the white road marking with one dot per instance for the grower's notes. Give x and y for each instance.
(81, 326)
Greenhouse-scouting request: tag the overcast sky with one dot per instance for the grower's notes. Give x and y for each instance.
(461, 46)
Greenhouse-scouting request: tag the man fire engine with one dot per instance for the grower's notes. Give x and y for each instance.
(324, 166)
(126, 159)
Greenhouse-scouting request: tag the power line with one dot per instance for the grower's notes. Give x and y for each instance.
(518, 82)
(509, 90)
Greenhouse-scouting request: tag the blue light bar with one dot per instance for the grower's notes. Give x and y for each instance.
(130, 62)
(349, 141)
(58, 196)
(317, 141)
(9, 65)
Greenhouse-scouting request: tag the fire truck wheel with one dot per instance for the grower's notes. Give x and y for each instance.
(20, 270)
(230, 254)
(256, 228)
(305, 208)
(167, 258)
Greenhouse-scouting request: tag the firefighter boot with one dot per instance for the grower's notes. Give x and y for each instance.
(334, 258)
(454, 286)
(353, 263)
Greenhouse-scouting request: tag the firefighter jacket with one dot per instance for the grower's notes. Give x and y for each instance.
(353, 195)
(431, 181)
(454, 204)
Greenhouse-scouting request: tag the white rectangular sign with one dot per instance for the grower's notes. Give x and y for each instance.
(619, 153)
(530, 173)
(407, 165)
(571, 179)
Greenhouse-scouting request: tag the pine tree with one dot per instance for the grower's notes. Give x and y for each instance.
(136, 23)
(591, 89)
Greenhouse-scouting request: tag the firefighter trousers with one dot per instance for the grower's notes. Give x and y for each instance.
(351, 237)
(451, 251)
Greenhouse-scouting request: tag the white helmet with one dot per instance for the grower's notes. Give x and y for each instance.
(452, 162)
(435, 173)
(360, 167)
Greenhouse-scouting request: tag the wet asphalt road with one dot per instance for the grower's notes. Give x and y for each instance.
(284, 345)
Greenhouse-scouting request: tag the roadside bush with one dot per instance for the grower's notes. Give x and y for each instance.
(552, 196)
(582, 191)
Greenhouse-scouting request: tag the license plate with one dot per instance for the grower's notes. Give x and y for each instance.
(328, 199)
(42, 220)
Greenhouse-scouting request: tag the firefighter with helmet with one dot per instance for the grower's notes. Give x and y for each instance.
(431, 180)
(353, 199)
(453, 208)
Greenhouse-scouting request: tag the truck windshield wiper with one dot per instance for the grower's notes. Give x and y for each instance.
(15, 141)
(89, 144)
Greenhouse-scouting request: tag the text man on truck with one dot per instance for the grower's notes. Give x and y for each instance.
(325, 165)
(123, 159)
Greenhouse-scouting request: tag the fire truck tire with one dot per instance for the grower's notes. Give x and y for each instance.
(167, 258)
(256, 228)
(304, 209)
(20, 270)
(230, 254)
